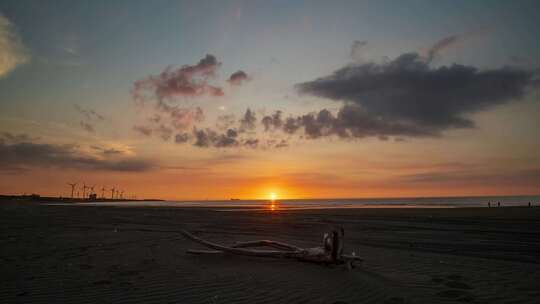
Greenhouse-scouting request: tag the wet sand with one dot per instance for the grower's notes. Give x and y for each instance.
(89, 254)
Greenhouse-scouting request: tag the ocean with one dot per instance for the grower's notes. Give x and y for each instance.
(418, 202)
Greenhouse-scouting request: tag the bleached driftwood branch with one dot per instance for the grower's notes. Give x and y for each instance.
(330, 253)
(267, 243)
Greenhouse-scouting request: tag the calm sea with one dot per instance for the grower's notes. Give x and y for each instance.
(427, 202)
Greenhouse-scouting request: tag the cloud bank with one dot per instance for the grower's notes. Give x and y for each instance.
(408, 93)
(12, 51)
(18, 153)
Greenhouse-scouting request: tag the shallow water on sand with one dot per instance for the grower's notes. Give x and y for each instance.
(428, 202)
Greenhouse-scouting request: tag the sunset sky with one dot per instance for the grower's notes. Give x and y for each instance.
(241, 99)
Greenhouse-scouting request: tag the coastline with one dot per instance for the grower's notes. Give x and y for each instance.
(300, 204)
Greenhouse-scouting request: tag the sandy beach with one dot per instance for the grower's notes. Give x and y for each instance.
(89, 254)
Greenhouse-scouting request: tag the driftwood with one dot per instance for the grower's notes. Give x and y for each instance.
(330, 253)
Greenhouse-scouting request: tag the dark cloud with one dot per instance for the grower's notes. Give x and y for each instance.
(237, 78)
(108, 151)
(227, 139)
(442, 44)
(451, 42)
(315, 125)
(89, 114)
(230, 132)
(186, 81)
(144, 130)
(351, 121)
(27, 155)
(210, 138)
(90, 117)
(407, 92)
(354, 121)
(291, 125)
(231, 138)
(10, 138)
(88, 127)
(251, 142)
(249, 121)
(272, 122)
(181, 138)
(203, 138)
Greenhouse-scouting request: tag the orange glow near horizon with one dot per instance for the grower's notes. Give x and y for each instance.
(173, 186)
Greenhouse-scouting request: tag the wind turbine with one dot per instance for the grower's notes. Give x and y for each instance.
(112, 193)
(122, 194)
(84, 190)
(72, 188)
(103, 192)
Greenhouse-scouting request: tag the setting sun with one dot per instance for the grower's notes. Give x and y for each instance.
(273, 196)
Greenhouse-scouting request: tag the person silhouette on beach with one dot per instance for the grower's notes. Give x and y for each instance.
(498, 204)
(489, 204)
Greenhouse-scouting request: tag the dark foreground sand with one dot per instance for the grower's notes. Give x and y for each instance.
(83, 254)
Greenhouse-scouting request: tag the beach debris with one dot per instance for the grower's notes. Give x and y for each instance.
(331, 252)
